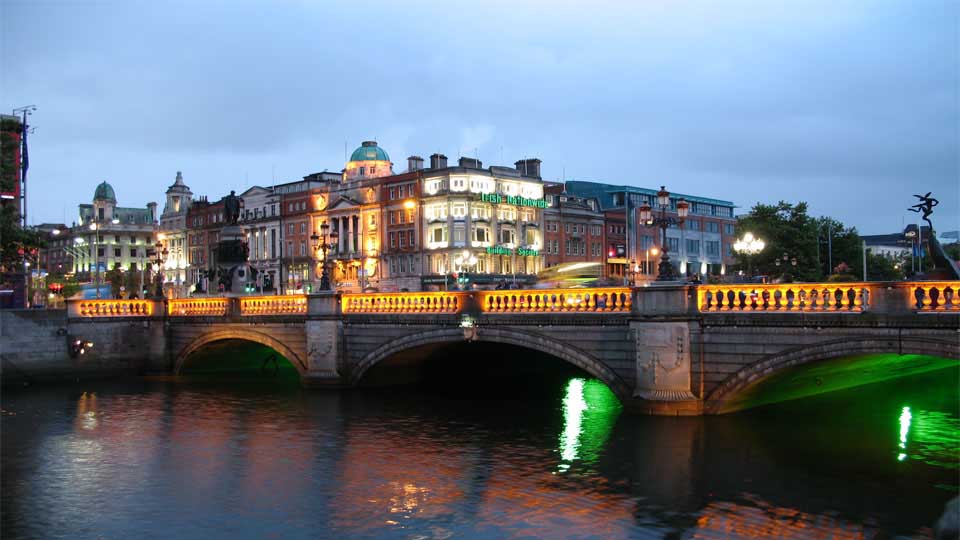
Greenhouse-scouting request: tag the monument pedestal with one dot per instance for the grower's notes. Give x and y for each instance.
(232, 265)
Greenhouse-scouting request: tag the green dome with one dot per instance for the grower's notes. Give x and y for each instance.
(105, 191)
(369, 151)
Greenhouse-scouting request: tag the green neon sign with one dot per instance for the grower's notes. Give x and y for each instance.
(515, 200)
(523, 252)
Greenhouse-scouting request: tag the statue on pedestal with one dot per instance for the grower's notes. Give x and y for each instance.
(231, 207)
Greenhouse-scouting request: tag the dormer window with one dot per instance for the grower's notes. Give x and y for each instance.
(362, 171)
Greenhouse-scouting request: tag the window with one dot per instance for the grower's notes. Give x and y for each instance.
(458, 234)
(596, 230)
(410, 238)
(713, 226)
(458, 210)
(403, 264)
(290, 228)
(481, 234)
(673, 244)
(400, 192)
(694, 225)
(438, 235)
(363, 171)
(566, 228)
(409, 216)
(303, 248)
(393, 218)
(567, 244)
(508, 236)
(393, 193)
(532, 236)
(728, 229)
(713, 247)
(402, 238)
(646, 242)
(116, 252)
(303, 228)
(393, 240)
(693, 247)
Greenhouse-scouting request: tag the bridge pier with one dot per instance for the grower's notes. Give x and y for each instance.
(324, 328)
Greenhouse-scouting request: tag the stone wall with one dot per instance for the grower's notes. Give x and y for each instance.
(34, 346)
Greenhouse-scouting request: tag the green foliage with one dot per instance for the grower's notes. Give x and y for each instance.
(953, 250)
(881, 268)
(784, 228)
(70, 286)
(15, 242)
(115, 278)
(9, 144)
(837, 278)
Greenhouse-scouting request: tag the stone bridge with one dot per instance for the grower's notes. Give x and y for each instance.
(661, 349)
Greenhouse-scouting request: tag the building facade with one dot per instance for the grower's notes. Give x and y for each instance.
(260, 220)
(573, 228)
(205, 220)
(173, 237)
(108, 236)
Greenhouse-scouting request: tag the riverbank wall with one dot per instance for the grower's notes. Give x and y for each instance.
(38, 346)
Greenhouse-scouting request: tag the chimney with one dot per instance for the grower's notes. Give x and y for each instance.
(152, 207)
(415, 163)
(529, 167)
(471, 163)
(438, 161)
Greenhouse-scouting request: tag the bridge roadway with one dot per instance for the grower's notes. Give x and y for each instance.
(671, 349)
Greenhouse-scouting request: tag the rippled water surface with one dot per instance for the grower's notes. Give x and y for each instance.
(186, 460)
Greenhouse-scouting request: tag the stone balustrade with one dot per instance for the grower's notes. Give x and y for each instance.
(111, 308)
(412, 302)
(786, 297)
(198, 307)
(292, 304)
(924, 297)
(605, 300)
(936, 296)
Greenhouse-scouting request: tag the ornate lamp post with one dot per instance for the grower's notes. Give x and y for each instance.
(787, 259)
(464, 260)
(646, 264)
(96, 262)
(665, 270)
(749, 246)
(324, 244)
(161, 253)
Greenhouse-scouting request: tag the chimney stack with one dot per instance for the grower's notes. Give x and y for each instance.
(471, 163)
(414, 163)
(438, 161)
(529, 167)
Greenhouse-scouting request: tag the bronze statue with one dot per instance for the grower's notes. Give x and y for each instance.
(231, 207)
(925, 205)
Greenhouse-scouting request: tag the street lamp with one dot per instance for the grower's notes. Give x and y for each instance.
(787, 258)
(161, 253)
(749, 246)
(646, 264)
(324, 244)
(666, 272)
(464, 259)
(95, 244)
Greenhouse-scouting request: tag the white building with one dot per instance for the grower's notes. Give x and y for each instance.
(260, 220)
(173, 236)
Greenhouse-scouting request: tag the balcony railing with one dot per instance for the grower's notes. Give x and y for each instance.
(607, 300)
(292, 304)
(412, 302)
(805, 297)
(198, 307)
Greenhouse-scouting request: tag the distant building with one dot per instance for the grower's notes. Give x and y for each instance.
(173, 236)
(108, 235)
(573, 228)
(702, 246)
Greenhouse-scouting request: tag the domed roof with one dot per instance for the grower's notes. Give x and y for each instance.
(369, 151)
(105, 191)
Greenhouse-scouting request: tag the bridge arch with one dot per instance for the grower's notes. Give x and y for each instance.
(240, 334)
(741, 380)
(527, 340)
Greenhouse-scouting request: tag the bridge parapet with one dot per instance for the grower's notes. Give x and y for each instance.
(415, 302)
(806, 297)
(291, 304)
(113, 308)
(605, 300)
(936, 296)
(198, 307)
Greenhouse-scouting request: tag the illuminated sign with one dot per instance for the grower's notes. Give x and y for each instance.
(496, 198)
(523, 252)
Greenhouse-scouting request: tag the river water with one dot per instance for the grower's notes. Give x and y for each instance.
(187, 459)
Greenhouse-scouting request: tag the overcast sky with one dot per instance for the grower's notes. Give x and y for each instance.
(850, 106)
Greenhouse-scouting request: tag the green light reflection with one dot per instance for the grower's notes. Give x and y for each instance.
(590, 410)
(905, 417)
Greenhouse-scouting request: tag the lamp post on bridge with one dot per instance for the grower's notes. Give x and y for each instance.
(161, 254)
(749, 246)
(324, 244)
(665, 270)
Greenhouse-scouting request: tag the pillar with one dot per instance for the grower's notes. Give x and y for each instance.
(323, 329)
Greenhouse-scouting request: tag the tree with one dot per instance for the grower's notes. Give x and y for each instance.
(785, 228)
(15, 243)
(69, 288)
(115, 278)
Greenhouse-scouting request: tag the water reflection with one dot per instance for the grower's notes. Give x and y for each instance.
(195, 462)
(590, 410)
